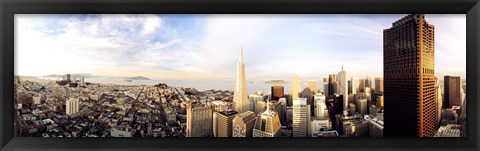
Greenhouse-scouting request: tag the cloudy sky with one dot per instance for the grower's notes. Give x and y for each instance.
(207, 46)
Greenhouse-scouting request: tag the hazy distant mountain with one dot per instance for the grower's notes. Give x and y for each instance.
(276, 82)
(76, 75)
(137, 78)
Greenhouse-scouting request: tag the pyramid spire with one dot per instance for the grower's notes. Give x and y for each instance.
(240, 57)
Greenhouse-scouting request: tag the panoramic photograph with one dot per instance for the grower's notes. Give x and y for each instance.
(240, 75)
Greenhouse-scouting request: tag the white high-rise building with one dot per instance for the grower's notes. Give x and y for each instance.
(343, 87)
(301, 118)
(199, 120)
(240, 95)
(355, 84)
(369, 81)
(295, 87)
(72, 106)
(320, 106)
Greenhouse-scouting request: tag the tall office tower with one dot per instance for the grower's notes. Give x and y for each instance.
(453, 96)
(380, 101)
(337, 101)
(68, 78)
(332, 81)
(281, 109)
(379, 85)
(277, 92)
(199, 120)
(308, 94)
(295, 87)
(313, 85)
(349, 86)
(243, 124)
(267, 124)
(343, 87)
(361, 105)
(369, 81)
(240, 95)
(355, 85)
(82, 81)
(368, 94)
(439, 101)
(301, 117)
(225, 123)
(71, 106)
(254, 98)
(409, 78)
(325, 86)
(320, 106)
(361, 88)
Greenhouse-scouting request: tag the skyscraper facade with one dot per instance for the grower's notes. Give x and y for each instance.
(301, 117)
(224, 123)
(243, 124)
(332, 84)
(71, 106)
(355, 84)
(295, 87)
(439, 103)
(320, 106)
(199, 120)
(343, 87)
(277, 92)
(409, 80)
(362, 86)
(313, 85)
(267, 124)
(254, 99)
(240, 95)
(379, 85)
(369, 81)
(452, 92)
(325, 86)
(308, 94)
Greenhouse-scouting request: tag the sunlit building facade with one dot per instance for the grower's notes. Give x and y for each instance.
(409, 78)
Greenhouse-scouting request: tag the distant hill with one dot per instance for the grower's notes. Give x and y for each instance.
(276, 82)
(76, 75)
(137, 78)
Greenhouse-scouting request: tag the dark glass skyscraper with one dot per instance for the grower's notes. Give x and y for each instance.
(277, 92)
(409, 81)
(452, 85)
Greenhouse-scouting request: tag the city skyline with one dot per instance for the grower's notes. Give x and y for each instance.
(178, 46)
(407, 101)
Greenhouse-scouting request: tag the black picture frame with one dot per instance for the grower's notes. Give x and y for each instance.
(10, 7)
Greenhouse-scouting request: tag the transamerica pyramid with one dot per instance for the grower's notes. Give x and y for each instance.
(240, 99)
